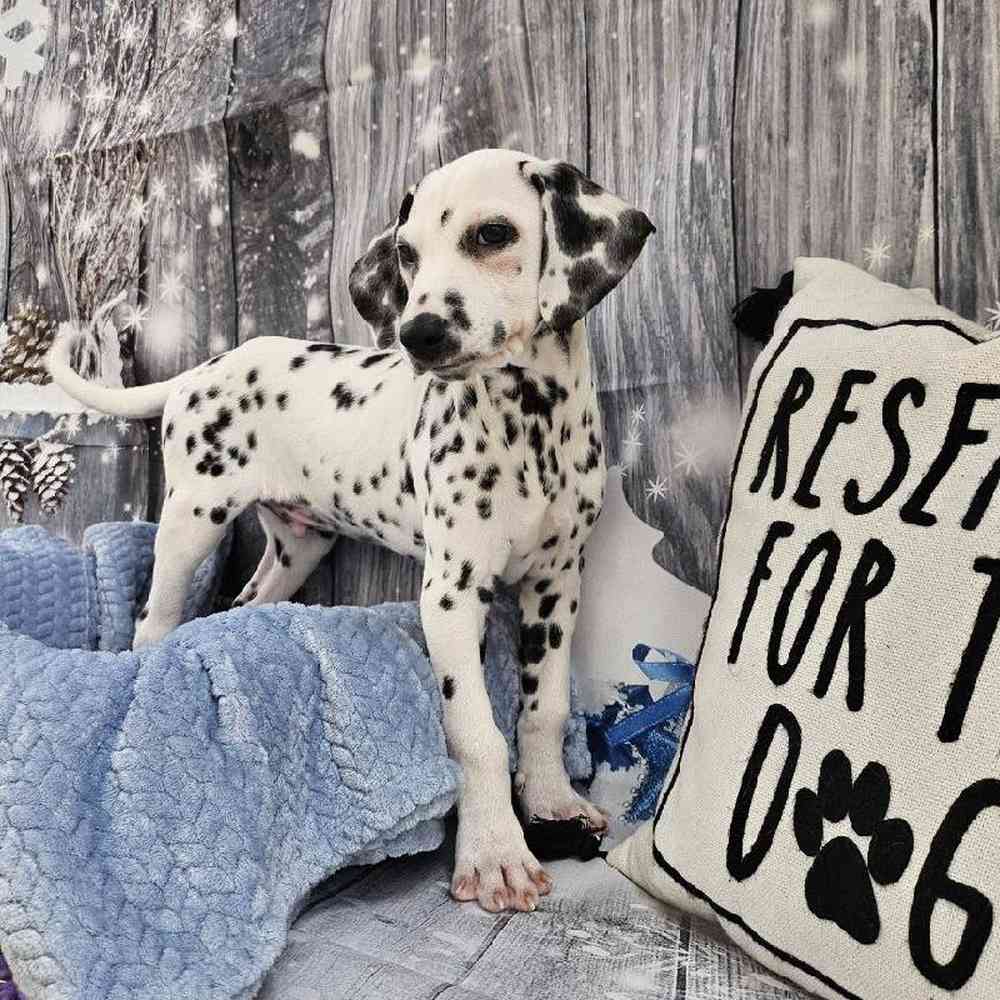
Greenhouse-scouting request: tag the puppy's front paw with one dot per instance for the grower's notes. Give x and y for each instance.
(512, 882)
(551, 797)
(495, 868)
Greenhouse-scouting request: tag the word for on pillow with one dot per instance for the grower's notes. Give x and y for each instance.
(962, 434)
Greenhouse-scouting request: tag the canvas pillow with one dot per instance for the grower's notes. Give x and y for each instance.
(835, 804)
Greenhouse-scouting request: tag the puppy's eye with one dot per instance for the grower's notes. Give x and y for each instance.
(407, 255)
(494, 234)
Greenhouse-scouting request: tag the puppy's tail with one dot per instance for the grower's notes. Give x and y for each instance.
(141, 402)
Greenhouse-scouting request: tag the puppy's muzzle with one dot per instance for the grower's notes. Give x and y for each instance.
(426, 338)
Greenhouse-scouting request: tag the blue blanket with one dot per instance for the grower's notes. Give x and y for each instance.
(163, 814)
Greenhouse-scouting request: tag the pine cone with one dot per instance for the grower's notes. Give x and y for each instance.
(52, 469)
(29, 336)
(14, 478)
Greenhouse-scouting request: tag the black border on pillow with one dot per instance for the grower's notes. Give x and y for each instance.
(728, 916)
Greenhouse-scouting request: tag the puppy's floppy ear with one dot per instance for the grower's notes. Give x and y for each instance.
(590, 239)
(376, 285)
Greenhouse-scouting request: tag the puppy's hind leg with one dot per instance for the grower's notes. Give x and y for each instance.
(295, 556)
(188, 532)
(249, 593)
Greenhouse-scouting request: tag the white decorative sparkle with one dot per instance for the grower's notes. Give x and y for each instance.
(631, 447)
(86, 224)
(193, 22)
(216, 216)
(158, 189)
(925, 235)
(71, 424)
(305, 144)
(423, 62)
(131, 33)
(638, 414)
(230, 27)
(172, 287)
(204, 177)
(993, 317)
(656, 489)
(688, 460)
(122, 425)
(134, 315)
(433, 130)
(137, 209)
(99, 94)
(877, 253)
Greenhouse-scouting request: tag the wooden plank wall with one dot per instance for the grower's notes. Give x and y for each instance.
(751, 131)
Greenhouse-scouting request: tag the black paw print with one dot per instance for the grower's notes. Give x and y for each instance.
(839, 882)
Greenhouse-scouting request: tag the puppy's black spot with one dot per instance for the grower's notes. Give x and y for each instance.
(555, 635)
(448, 688)
(343, 396)
(445, 216)
(252, 376)
(374, 359)
(282, 400)
(446, 603)
(218, 515)
(404, 208)
(251, 440)
(547, 604)
(191, 443)
(529, 684)
(532, 643)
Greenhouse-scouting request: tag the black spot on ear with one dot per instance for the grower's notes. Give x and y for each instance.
(448, 688)
(404, 208)
(631, 232)
(537, 183)
(445, 216)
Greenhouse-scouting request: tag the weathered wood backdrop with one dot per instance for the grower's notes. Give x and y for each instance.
(749, 130)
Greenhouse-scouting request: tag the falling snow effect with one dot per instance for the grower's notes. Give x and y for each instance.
(306, 144)
(877, 253)
(993, 317)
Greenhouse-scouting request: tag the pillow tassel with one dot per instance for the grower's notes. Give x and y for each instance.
(756, 315)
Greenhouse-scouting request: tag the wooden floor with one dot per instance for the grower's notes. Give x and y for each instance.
(279, 137)
(392, 933)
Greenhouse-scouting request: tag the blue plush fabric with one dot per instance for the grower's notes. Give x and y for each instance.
(163, 814)
(72, 599)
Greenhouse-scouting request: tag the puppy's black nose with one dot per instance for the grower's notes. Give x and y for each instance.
(424, 336)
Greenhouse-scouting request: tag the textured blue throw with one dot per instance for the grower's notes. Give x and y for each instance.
(164, 814)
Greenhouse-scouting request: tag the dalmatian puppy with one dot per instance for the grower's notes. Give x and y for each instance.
(469, 438)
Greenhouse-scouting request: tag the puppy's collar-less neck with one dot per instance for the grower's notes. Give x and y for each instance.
(549, 351)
